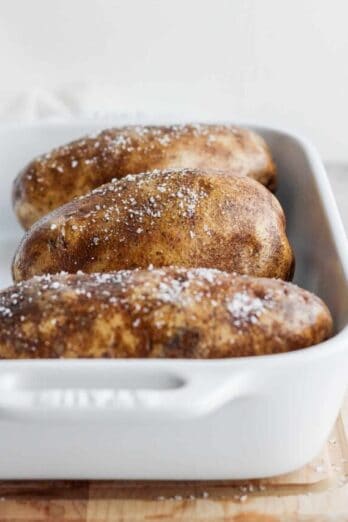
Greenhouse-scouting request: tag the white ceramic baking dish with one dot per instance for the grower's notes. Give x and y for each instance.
(182, 419)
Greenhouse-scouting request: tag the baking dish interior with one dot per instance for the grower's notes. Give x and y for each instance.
(313, 225)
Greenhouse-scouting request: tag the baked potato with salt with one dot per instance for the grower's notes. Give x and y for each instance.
(189, 218)
(168, 312)
(55, 178)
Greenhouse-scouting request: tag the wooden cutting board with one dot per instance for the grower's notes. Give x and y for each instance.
(318, 492)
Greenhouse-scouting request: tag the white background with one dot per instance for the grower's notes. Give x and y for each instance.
(268, 61)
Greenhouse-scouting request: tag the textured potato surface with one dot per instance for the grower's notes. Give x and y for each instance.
(169, 312)
(55, 178)
(185, 217)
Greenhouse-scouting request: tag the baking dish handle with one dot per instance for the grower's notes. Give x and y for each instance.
(192, 397)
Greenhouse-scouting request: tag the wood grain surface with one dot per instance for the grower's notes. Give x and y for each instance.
(316, 493)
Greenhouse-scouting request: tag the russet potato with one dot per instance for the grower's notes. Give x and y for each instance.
(168, 312)
(189, 218)
(55, 178)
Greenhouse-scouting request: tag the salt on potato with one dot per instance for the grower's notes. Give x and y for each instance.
(53, 179)
(182, 217)
(165, 312)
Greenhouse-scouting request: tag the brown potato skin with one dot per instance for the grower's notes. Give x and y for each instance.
(170, 312)
(53, 179)
(183, 217)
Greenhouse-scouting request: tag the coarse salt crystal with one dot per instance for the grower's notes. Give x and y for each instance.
(245, 308)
